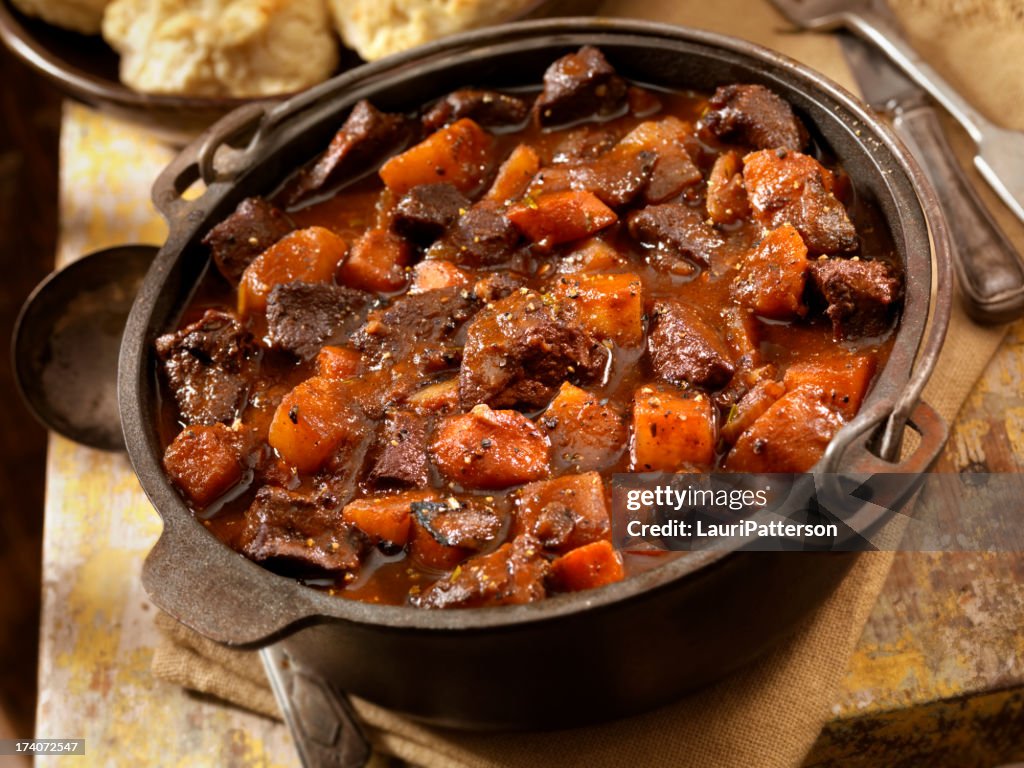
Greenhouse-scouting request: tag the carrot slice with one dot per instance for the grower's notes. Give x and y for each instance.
(587, 567)
(310, 254)
(559, 217)
(454, 154)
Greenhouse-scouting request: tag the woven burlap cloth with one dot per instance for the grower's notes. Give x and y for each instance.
(769, 713)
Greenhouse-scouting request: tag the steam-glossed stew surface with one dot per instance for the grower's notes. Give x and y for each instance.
(414, 387)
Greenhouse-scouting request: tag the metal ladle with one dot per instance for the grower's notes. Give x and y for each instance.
(66, 343)
(65, 350)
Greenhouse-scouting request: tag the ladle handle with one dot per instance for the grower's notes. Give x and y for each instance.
(323, 724)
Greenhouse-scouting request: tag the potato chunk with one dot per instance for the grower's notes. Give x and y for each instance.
(588, 567)
(515, 175)
(840, 381)
(338, 362)
(385, 519)
(563, 513)
(456, 154)
(205, 462)
(585, 433)
(310, 255)
(672, 430)
(772, 278)
(609, 306)
(790, 436)
(559, 217)
(490, 449)
(314, 421)
(434, 274)
(727, 197)
(377, 262)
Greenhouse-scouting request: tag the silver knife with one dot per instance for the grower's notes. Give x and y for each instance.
(988, 267)
(1000, 155)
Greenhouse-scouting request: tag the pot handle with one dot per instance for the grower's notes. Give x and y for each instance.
(854, 456)
(200, 161)
(231, 607)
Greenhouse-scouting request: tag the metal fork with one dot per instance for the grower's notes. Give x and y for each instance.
(1000, 152)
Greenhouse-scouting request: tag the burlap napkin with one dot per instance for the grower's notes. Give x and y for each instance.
(769, 713)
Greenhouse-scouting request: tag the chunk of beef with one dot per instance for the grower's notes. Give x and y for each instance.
(497, 285)
(584, 143)
(426, 211)
(754, 116)
(454, 523)
(402, 459)
(727, 197)
(674, 170)
(302, 317)
(245, 234)
(786, 187)
(427, 323)
(677, 228)
(684, 347)
(446, 532)
(481, 237)
(514, 573)
(861, 295)
(294, 533)
(209, 366)
(616, 177)
(487, 108)
(366, 138)
(578, 86)
(520, 349)
(653, 159)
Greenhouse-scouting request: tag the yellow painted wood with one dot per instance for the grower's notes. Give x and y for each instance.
(938, 676)
(97, 625)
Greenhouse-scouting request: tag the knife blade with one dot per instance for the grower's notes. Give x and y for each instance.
(989, 269)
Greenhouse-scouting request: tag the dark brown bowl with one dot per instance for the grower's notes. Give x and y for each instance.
(569, 659)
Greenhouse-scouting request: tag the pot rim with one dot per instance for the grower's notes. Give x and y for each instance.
(300, 605)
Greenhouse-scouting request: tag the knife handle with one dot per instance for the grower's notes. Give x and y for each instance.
(988, 267)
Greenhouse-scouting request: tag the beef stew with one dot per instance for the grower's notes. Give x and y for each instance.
(416, 393)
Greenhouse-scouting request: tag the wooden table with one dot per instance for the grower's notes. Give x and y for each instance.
(940, 666)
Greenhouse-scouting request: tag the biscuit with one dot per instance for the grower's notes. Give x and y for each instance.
(79, 15)
(239, 48)
(376, 28)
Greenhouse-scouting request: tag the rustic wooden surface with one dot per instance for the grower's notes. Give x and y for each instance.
(29, 124)
(938, 676)
(945, 631)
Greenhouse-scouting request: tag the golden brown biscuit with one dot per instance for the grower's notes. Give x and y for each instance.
(376, 28)
(79, 15)
(221, 47)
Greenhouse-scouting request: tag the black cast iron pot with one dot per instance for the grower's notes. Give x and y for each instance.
(570, 659)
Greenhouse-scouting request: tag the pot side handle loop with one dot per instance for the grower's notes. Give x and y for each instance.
(218, 155)
(223, 604)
